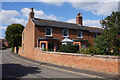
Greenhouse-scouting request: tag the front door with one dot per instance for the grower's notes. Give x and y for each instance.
(51, 46)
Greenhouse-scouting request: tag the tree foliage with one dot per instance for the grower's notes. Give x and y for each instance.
(14, 34)
(110, 37)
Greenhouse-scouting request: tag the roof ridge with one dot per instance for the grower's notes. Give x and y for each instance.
(92, 27)
(54, 21)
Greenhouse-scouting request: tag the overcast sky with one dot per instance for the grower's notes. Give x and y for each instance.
(16, 11)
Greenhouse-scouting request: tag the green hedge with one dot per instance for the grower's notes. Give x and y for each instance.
(12, 49)
(69, 48)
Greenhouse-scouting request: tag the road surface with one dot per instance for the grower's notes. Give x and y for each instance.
(16, 67)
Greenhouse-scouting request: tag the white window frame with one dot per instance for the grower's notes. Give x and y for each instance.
(46, 31)
(81, 34)
(67, 33)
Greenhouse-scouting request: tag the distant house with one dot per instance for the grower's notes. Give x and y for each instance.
(4, 42)
(50, 35)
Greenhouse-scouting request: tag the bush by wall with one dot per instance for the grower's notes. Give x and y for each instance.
(91, 50)
(12, 49)
(69, 48)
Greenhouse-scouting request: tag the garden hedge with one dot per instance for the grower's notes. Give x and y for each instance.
(69, 48)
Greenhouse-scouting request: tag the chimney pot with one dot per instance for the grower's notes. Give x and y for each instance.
(31, 14)
(79, 14)
(79, 19)
(31, 9)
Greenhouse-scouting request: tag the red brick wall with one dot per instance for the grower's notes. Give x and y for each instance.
(105, 64)
(29, 39)
(99, 64)
(91, 38)
(40, 32)
(58, 33)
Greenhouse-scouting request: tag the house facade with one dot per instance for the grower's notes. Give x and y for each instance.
(50, 35)
(4, 42)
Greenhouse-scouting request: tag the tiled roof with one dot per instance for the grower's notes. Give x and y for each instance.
(59, 24)
(93, 29)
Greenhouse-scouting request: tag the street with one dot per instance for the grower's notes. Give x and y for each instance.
(16, 67)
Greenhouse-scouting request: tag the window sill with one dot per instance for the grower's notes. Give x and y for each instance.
(79, 37)
(65, 36)
(48, 35)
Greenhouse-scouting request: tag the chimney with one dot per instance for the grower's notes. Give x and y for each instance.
(31, 14)
(79, 19)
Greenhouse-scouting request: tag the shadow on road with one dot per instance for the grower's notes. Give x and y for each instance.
(12, 70)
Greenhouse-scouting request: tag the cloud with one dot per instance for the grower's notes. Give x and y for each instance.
(38, 14)
(71, 21)
(8, 17)
(2, 27)
(97, 8)
(2, 30)
(101, 7)
(60, 0)
(92, 23)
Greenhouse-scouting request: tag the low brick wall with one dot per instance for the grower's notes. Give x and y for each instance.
(98, 63)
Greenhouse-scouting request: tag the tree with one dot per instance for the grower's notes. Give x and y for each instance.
(14, 34)
(110, 37)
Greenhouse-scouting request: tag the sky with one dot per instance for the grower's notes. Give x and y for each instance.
(16, 11)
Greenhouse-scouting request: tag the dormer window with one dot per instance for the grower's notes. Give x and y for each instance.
(65, 32)
(48, 31)
(79, 34)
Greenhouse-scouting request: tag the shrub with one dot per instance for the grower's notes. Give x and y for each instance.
(81, 50)
(91, 50)
(12, 49)
(69, 48)
(88, 44)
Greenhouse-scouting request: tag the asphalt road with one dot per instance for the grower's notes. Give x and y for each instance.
(16, 67)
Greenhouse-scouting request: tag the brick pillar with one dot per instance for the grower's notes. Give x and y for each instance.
(55, 48)
(77, 43)
(46, 45)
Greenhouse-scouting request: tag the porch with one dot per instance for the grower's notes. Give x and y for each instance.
(48, 44)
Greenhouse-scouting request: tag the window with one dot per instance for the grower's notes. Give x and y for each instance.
(23, 36)
(43, 46)
(65, 32)
(48, 31)
(95, 35)
(23, 47)
(79, 33)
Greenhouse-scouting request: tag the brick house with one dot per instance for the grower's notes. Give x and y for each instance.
(50, 35)
(4, 42)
